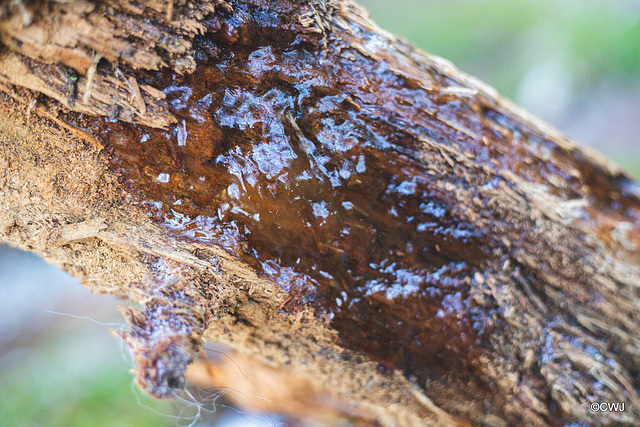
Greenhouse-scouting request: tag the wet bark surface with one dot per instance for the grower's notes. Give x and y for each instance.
(438, 230)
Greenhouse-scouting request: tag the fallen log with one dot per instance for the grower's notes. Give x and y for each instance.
(333, 204)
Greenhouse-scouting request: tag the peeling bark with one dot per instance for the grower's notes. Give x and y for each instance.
(328, 201)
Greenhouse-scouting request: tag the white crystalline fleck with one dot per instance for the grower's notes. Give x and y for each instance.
(360, 167)
(406, 187)
(164, 178)
(181, 133)
(325, 274)
(233, 191)
(320, 209)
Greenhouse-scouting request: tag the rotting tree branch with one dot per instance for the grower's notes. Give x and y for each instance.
(358, 218)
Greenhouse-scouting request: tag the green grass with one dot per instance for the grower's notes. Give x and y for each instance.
(500, 40)
(61, 383)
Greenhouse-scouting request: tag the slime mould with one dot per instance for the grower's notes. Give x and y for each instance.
(343, 166)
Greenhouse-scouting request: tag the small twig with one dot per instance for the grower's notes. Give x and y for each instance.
(138, 101)
(90, 76)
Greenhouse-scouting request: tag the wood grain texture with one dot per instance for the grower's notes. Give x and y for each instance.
(319, 195)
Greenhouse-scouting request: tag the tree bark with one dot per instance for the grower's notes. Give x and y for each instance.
(375, 232)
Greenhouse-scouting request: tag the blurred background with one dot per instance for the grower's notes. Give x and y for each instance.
(573, 63)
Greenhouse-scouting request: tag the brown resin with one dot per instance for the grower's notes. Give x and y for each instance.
(345, 215)
(371, 186)
(307, 165)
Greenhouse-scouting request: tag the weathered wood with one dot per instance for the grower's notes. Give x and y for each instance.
(353, 213)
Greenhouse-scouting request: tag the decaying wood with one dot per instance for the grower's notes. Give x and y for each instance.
(73, 36)
(508, 288)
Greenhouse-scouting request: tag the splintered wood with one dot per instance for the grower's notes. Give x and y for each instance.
(379, 238)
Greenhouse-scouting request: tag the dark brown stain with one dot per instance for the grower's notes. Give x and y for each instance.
(298, 163)
(309, 164)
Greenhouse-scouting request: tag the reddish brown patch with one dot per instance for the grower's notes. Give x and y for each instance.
(310, 164)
